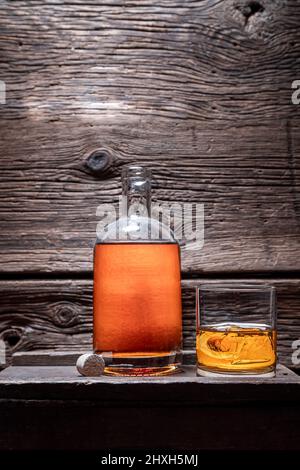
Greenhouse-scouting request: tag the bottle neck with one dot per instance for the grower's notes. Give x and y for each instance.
(136, 191)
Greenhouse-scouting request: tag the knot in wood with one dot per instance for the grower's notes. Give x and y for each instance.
(12, 337)
(249, 9)
(99, 161)
(64, 314)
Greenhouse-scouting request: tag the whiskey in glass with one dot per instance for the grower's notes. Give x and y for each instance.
(236, 330)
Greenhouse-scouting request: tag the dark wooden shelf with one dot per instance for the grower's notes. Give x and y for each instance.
(64, 382)
(52, 407)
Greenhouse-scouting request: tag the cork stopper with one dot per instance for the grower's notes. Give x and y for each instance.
(90, 365)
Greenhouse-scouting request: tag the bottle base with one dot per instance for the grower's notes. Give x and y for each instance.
(142, 371)
(142, 364)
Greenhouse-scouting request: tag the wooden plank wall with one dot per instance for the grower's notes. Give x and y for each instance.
(198, 90)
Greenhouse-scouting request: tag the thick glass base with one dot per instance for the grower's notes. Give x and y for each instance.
(142, 371)
(203, 372)
(142, 364)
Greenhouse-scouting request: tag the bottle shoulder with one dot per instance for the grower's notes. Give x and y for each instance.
(135, 229)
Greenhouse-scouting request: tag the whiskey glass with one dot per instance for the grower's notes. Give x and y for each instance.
(236, 330)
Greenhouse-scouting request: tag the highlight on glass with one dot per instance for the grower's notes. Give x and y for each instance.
(236, 330)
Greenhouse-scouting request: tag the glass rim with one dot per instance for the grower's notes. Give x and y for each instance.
(136, 171)
(235, 287)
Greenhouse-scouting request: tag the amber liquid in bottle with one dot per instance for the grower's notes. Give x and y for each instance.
(236, 348)
(137, 307)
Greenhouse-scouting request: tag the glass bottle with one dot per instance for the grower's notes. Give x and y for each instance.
(137, 293)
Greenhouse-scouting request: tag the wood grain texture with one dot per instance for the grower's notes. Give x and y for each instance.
(55, 358)
(199, 91)
(57, 315)
(65, 383)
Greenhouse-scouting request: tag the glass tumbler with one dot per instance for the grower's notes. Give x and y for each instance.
(236, 330)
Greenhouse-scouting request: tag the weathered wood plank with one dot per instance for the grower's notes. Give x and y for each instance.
(69, 358)
(200, 91)
(57, 315)
(35, 382)
(138, 413)
(173, 59)
(249, 187)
